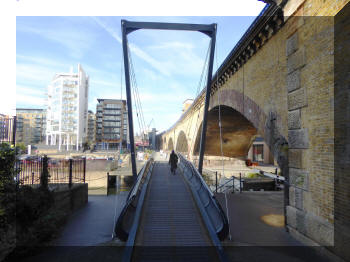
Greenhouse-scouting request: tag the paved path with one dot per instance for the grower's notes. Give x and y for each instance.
(85, 235)
(255, 240)
(94, 223)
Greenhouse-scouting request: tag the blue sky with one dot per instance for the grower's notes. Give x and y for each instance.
(167, 64)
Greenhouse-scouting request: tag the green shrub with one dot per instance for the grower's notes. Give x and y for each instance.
(30, 209)
(253, 175)
(207, 178)
(7, 185)
(22, 147)
(31, 204)
(46, 227)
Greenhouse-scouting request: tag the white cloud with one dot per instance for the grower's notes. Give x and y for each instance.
(34, 73)
(135, 49)
(175, 44)
(78, 42)
(105, 83)
(30, 101)
(41, 60)
(30, 90)
(30, 96)
(109, 30)
(150, 74)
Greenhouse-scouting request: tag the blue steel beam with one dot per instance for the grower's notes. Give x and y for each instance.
(207, 29)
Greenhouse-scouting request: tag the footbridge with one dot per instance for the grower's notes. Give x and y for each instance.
(171, 217)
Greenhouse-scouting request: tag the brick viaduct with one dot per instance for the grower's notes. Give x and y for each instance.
(279, 82)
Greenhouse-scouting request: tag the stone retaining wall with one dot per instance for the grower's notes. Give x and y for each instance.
(69, 200)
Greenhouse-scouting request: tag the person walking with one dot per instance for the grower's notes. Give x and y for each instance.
(173, 162)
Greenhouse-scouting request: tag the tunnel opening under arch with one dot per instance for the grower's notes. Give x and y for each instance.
(170, 144)
(237, 133)
(181, 143)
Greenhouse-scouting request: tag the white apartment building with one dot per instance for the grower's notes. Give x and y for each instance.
(67, 109)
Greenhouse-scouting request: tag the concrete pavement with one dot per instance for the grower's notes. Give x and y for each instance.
(258, 234)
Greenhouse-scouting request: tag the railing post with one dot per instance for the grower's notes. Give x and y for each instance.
(44, 177)
(14, 126)
(233, 184)
(216, 181)
(108, 182)
(240, 182)
(84, 168)
(32, 178)
(70, 172)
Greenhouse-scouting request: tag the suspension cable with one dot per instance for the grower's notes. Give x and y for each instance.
(221, 148)
(121, 99)
(116, 203)
(137, 102)
(204, 69)
(204, 73)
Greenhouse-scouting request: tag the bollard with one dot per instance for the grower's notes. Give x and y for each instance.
(216, 181)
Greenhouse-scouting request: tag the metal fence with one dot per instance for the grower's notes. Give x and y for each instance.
(61, 171)
(7, 129)
(235, 184)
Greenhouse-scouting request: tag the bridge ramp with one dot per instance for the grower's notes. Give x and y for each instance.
(171, 227)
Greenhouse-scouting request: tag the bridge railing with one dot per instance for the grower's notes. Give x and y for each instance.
(230, 185)
(236, 184)
(126, 218)
(206, 199)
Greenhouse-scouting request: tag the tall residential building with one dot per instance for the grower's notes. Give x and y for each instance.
(67, 109)
(91, 135)
(6, 128)
(30, 125)
(111, 123)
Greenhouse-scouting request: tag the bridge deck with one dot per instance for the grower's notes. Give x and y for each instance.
(171, 228)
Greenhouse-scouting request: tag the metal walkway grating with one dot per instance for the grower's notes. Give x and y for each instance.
(171, 228)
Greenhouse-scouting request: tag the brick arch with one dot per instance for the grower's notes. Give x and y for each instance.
(265, 124)
(242, 104)
(170, 144)
(181, 142)
(164, 144)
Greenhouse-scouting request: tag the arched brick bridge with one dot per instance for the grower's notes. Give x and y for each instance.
(279, 82)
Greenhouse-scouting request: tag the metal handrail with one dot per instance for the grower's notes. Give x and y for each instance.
(135, 186)
(222, 230)
(132, 202)
(232, 178)
(269, 174)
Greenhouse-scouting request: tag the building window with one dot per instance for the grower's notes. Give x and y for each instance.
(258, 153)
(116, 118)
(116, 106)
